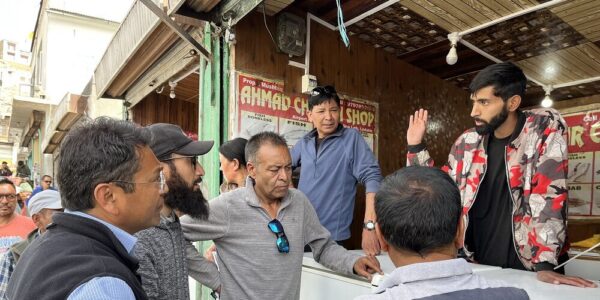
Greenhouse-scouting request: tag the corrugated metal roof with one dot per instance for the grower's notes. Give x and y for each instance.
(110, 10)
(136, 27)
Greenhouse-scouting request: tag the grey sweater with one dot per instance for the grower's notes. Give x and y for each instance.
(250, 265)
(163, 269)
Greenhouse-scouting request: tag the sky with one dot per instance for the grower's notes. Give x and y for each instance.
(17, 21)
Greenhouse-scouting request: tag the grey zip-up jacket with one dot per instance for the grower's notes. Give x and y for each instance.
(250, 266)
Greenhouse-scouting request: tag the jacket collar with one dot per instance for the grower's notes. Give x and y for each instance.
(515, 142)
(313, 133)
(252, 199)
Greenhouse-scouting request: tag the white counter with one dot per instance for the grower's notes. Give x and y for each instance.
(541, 290)
(319, 282)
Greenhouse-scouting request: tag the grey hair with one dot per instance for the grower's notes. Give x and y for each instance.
(259, 139)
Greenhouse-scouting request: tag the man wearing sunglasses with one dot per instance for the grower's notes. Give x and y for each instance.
(161, 249)
(260, 231)
(46, 184)
(333, 159)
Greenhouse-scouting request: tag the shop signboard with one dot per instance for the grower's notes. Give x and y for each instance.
(262, 105)
(584, 163)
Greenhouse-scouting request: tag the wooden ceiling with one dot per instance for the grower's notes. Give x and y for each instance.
(554, 45)
(186, 89)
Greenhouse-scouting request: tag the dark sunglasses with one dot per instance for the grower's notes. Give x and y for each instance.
(282, 242)
(324, 90)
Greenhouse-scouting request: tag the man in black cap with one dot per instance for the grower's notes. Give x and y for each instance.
(161, 249)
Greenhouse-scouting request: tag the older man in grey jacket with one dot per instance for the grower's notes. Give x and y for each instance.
(260, 232)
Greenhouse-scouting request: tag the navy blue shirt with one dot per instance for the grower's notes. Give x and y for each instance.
(329, 176)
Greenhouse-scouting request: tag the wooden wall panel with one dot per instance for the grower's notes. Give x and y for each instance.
(368, 73)
(157, 108)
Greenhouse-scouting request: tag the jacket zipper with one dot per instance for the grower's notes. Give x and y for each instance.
(514, 208)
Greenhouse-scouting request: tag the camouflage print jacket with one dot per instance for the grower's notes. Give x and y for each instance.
(536, 165)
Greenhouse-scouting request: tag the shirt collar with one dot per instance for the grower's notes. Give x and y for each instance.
(425, 271)
(127, 240)
(252, 198)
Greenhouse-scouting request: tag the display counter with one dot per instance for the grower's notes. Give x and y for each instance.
(319, 282)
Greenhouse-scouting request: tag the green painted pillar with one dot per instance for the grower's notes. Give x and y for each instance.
(209, 114)
(225, 87)
(210, 124)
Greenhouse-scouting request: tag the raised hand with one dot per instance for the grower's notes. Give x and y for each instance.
(417, 125)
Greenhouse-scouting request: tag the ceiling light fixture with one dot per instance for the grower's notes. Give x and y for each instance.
(547, 101)
(172, 84)
(452, 56)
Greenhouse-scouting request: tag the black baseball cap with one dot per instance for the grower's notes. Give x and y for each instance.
(169, 138)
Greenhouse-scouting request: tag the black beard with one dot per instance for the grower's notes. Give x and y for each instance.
(493, 124)
(186, 199)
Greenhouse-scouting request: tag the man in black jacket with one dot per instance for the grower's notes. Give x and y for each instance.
(111, 186)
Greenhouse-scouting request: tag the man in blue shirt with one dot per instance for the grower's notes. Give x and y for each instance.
(44, 185)
(333, 159)
(111, 187)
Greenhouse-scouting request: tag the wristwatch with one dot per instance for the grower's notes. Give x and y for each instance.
(369, 225)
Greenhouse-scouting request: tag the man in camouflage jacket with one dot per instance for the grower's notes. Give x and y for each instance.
(529, 151)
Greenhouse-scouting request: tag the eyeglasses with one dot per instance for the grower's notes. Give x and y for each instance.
(327, 90)
(193, 158)
(282, 242)
(48, 182)
(161, 181)
(9, 197)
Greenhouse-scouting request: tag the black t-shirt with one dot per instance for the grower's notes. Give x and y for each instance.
(490, 231)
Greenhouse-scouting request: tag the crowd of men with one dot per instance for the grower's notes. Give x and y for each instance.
(136, 206)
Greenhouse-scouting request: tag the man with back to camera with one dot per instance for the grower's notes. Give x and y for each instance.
(23, 170)
(421, 228)
(332, 160)
(511, 169)
(118, 192)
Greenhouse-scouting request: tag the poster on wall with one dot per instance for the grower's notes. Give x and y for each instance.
(584, 163)
(262, 105)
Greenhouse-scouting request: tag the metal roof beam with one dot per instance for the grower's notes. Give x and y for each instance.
(182, 33)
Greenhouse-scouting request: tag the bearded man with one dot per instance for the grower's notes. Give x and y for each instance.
(161, 249)
(511, 169)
